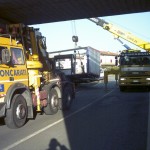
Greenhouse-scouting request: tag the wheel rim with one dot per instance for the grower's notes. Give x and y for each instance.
(20, 111)
(54, 101)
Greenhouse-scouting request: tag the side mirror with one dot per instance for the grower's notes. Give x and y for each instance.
(5, 56)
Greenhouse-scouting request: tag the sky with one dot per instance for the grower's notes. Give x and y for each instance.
(59, 34)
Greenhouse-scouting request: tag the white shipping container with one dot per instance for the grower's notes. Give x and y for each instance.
(86, 63)
(93, 61)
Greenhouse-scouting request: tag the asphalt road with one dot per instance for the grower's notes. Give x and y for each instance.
(100, 119)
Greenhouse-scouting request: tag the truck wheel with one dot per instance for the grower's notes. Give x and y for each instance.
(17, 114)
(67, 99)
(122, 88)
(53, 103)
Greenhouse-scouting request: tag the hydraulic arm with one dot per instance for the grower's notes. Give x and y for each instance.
(119, 32)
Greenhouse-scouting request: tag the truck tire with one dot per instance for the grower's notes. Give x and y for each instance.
(17, 114)
(53, 103)
(122, 88)
(67, 99)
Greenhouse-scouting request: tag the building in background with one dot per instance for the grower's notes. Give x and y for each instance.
(107, 59)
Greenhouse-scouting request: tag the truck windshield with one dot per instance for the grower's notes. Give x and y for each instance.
(135, 60)
(1, 48)
(17, 56)
(63, 64)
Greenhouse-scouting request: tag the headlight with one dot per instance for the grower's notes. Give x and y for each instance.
(147, 78)
(122, 79)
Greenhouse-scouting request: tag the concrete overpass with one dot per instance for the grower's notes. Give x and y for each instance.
(45, 11)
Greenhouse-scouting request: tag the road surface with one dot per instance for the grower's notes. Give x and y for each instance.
(100, 119)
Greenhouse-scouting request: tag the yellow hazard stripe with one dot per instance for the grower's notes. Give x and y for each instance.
(5, 81)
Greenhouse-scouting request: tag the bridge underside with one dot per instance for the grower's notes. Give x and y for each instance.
(45, 11)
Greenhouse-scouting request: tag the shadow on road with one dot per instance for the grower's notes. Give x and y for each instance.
(116, 122)
(55, 145)
(137, 89)
(2, 122)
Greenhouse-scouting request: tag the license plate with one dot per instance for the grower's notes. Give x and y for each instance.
(135, 80)
(135, 72)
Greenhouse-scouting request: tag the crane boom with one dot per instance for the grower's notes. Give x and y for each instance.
(119, 32)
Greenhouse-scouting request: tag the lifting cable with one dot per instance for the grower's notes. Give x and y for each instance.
(74, 32)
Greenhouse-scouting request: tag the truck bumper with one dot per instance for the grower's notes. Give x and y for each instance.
(134, 81)
(2, 109)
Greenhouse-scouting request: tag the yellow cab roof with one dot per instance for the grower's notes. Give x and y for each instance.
(7, 41)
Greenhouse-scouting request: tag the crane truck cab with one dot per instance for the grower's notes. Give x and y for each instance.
(134, 64)
(134, 69)
(26, 82)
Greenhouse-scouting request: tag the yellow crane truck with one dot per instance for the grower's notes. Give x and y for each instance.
(27, 83)
(134, 65)
(134, 69)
